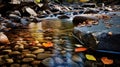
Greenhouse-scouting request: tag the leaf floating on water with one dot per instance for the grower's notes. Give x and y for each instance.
(48, 44)
(90, 57)
(80, 49)
(105, 60)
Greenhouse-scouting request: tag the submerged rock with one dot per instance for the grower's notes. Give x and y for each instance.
(38, 51)
(28, 59)
(44, 55)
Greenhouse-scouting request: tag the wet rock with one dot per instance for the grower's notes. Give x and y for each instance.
(63, 17)
(24, 21)
(15, 65)
(31, 11)
(38, 51)
(49, 62)
(9, 60)
(77, 58)
(28, 59)
(44, 55)
(36, 62)
(30, 56)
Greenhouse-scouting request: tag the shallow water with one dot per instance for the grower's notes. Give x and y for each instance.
(49, 28)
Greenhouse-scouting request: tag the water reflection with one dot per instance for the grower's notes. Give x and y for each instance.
(49, 28)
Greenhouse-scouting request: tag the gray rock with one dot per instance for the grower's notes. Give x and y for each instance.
(71, 63)
(77, 58)
(15, 65)
(49, 62)
(9, 60)
(69, 49)
(28, 59)
(38, 51)
(58, 60)
(44, 55)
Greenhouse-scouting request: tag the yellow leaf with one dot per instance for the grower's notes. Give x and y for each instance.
(84, 0)
(90, 57)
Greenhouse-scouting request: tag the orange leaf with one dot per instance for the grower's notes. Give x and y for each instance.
(80, 49)
(105, 60)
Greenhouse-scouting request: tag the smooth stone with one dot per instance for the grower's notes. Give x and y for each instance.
(26, 51)
(68, 55)
(47, 52)
(7, 50)
(28, 59)
(34, 48)
(63, 51)
(49, 62)
(44, 55)
(30, 56)
(77, 58)
(58, 60)
(6, 56)
(2, 47)
(55, 51)
(68, 49)
(9, 60)
(15, 65)
(36, 62)
(25, 65)
(38, 51)
(19, 47)
(15, 53)
(71, 63)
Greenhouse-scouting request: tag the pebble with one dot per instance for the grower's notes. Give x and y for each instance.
(34, 48)
(9, 60)
(15, 65)
(77, 58)
(28, 59)
(36, 62)
(25, 65)
(30, 56)
(15, 53)
(7, 50)
(49, 62)
(38, 51)
(44, 55)
(58, 60)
